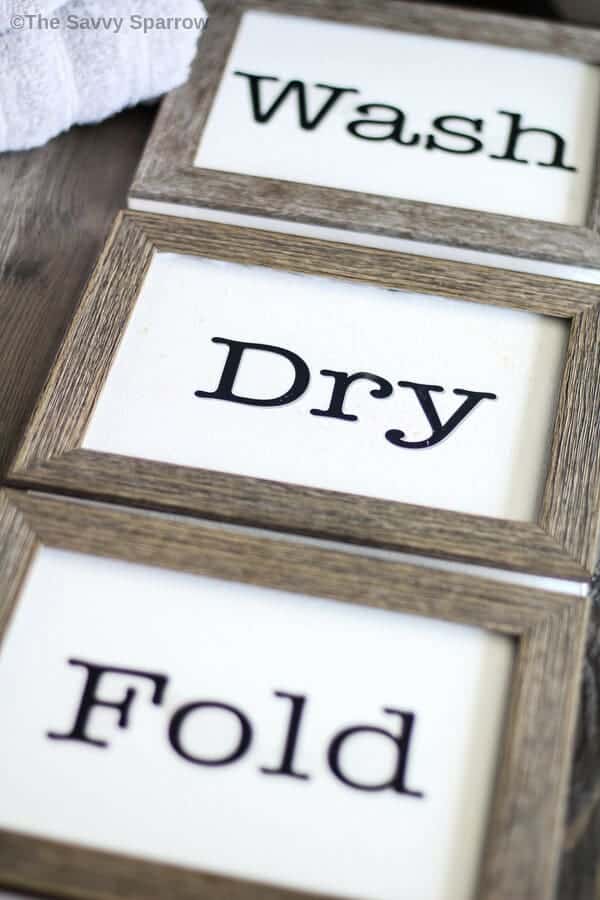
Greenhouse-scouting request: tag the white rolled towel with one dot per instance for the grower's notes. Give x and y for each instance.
(53, 78)
(11, 8)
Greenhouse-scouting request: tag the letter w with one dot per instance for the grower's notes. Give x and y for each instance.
(292, 87)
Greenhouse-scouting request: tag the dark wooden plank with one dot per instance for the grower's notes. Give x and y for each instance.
(583, 12)
(56, 206)
(580, 868)
(544, 9)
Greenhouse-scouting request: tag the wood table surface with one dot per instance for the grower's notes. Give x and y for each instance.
(56, 206)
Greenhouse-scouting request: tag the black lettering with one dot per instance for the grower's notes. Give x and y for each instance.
(298, 89)
(90, 699)
(397, 782)
(440, 123)
(517, 131)
(286, 766)
(439, 431)
(342, 381)
(179, 719)
(232, 364)
(394, 127)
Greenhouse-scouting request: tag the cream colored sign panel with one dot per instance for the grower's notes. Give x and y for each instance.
(337, 385)
(249, 732)
(411, 116)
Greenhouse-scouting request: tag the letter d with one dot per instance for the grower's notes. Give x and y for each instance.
(232, 364)
(401, 744)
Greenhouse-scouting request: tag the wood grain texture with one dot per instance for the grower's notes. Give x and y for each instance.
(580, 868)
(525, 826)
(166, 173)
(15, 556)
(563, 542)
(75, 184)
(56, 206)
(573, 479)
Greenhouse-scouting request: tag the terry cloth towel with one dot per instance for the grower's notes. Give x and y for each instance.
(52, 78)
(11, 8)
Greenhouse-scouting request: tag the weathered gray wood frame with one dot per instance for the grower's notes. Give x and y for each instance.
(526, 820)
(167, 173)
(562, 543)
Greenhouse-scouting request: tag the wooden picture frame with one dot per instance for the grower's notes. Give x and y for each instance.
(562, 543)
(528, 805)
(168, 181)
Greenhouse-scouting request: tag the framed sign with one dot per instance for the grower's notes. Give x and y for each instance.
(184, 716)
(403, 120)
(321, 389)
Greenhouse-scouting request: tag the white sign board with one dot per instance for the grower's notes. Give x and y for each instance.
(250, 741)
(409, 116)
(337, 385)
